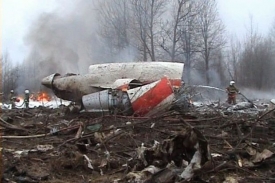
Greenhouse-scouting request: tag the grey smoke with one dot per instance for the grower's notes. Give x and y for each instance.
(65, 41)
(60, 42)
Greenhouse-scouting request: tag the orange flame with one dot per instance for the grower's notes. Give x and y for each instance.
(43, 96)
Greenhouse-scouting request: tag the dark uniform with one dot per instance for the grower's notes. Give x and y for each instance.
(12, 99)
(27, 99)
(232, 92)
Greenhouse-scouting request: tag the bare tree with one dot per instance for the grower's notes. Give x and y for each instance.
(257, 63)
(178, 34)
(188, 38)
(171, 29)
(114, 24)
(271, 35)
(210, 32)
(233, 58)
(131, 24)
(1, 76)
(218, 66)
(194, 28)
(146, 23)
(9, 74)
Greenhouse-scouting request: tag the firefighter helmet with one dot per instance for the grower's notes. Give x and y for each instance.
(27, 91)
(232, 82)
(11, 91)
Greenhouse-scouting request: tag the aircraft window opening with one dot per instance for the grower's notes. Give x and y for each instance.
(134, 84)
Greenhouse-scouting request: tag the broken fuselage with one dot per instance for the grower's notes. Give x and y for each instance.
(115, 79)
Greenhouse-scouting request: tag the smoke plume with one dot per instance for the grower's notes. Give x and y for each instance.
(62, 41)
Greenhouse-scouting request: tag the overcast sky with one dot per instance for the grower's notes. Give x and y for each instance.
(235, 14)
(18, 15)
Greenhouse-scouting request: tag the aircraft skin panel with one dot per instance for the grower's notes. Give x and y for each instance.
(142, 71)
(164, 104)
(146, 98)
(136, 93)
(149, 85)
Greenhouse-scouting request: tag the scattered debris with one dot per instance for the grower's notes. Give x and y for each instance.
(211, 142)
(241, 106)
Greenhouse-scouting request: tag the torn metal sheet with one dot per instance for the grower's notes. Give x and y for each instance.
(272, 104)
(142, 88)
(44, 148)
(195, 164)
(145, 100)
(144, 175)
(253, 157)
(187, 151)
(241, 106)
(152, 98)
(102, 76)
(108, 102)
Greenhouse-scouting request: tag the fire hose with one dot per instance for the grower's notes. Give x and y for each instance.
(210, 87)
(248, 99)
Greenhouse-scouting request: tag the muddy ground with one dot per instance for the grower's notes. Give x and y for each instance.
(241, 145)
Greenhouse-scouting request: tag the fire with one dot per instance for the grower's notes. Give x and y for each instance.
(43, 96)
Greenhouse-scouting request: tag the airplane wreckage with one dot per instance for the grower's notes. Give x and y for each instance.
(232, 147)
(138, 88)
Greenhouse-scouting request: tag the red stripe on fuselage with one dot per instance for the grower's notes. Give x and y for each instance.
(176, 83)
(152, 97)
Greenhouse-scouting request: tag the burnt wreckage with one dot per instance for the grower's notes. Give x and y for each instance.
(138, 88)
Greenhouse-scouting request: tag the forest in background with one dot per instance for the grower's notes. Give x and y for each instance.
(104, 31)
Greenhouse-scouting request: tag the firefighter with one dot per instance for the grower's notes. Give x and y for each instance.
(232, 91)
(27, 98)
(12, 99)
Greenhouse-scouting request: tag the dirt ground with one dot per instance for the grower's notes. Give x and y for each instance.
(241, 145)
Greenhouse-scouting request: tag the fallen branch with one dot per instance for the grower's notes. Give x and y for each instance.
(36, 136)
(10, 126)
(25, 137)
(252, 129)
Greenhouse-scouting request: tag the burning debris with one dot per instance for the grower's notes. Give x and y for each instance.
(143, 88)
(41, 96)
(35, 103)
